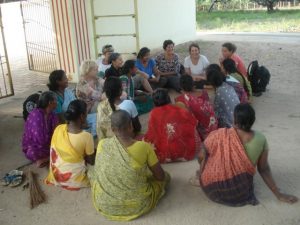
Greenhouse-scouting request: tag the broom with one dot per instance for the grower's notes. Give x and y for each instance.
(37, 195)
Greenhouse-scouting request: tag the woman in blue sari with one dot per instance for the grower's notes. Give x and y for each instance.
(58, 83)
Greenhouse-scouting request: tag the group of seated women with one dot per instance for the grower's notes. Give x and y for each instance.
(126, 178)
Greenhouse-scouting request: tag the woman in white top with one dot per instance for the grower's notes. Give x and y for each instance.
(195, 65)
(113, 91)
(103, 61)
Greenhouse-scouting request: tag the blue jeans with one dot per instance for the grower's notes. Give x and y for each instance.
(92, 123)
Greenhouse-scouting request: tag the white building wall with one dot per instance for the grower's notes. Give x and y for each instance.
(157, 20)
(166, 19)
(115, 25)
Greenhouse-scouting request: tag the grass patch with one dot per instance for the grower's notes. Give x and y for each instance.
(250, 21)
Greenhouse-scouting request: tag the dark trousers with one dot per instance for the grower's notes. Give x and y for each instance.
(160, 84)
(173, 82)
(200, 84)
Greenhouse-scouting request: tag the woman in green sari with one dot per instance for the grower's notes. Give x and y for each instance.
(137, 87)
(127, 180)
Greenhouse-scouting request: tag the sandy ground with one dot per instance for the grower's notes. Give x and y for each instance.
(278, 117)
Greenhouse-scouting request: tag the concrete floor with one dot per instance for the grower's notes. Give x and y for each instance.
(278, 117)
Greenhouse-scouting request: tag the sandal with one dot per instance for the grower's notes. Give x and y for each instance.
(16, 181)
(11, 176)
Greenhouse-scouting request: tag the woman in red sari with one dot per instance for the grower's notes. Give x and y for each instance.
(172, 130)
(198, 103)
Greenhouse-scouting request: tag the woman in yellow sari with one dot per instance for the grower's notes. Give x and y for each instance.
(127, 180)
(71, 149)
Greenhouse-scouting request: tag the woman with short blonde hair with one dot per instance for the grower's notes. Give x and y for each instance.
(90, 90)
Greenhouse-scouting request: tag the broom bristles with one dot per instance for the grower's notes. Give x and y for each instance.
(37, 196)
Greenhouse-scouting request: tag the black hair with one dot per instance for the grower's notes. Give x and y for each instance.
(231, 47)
(229, 66)
(161, 97)
(113, 57)
(55, 76)
(45, 98)
(112, 89)
(213, 66)
(166, 43)
(143, 51)
(128, 65)
(214, 77)
(186, 83)
(106, 48)
(120, 119)
(195, 45)
(75, 109)
(244, 116)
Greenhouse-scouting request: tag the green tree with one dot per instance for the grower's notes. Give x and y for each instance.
(267, 3)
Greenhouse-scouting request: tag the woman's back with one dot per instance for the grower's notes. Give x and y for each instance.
(225, 101)
(120, 179)
(173, 132)
(256, 146)
(104, 113)
(202, 110)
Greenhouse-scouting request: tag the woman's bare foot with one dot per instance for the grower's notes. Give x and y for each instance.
(42, 162)
(287, 198)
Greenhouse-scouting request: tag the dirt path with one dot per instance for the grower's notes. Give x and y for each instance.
(278, 117)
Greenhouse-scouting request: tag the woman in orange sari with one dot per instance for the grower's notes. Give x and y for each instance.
(229, 159)
(172, 130)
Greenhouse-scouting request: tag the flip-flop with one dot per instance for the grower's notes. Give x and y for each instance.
(10, 176)
(16, 181)
(15, 173)
(5, 181)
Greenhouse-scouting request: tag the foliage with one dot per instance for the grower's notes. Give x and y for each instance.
(267, 3)
(250, 21)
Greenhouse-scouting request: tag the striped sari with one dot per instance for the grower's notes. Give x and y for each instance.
(226, 175)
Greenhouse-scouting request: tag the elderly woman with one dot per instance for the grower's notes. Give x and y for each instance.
(103, 62)
(127, 180)
(147, 65)
(39, 128)
(225, 98)
(229, 52)
(90, 90)
(169, 66)
(115, 70)
(172, 130)
(195, 65)
(71, 149)
(229, 159)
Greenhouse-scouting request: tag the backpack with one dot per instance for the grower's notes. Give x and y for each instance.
(259, 77)
(30, 104)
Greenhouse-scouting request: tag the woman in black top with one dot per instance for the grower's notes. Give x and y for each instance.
(116, 64)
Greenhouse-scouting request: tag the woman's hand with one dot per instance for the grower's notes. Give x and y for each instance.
(287, 198)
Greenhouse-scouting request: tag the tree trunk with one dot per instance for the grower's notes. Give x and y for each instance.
(270, 6)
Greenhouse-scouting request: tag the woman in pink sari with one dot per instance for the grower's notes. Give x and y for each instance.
(198, 103)
(39, 128)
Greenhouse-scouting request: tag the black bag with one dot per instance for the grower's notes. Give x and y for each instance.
(30, 104)
(259, 77)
